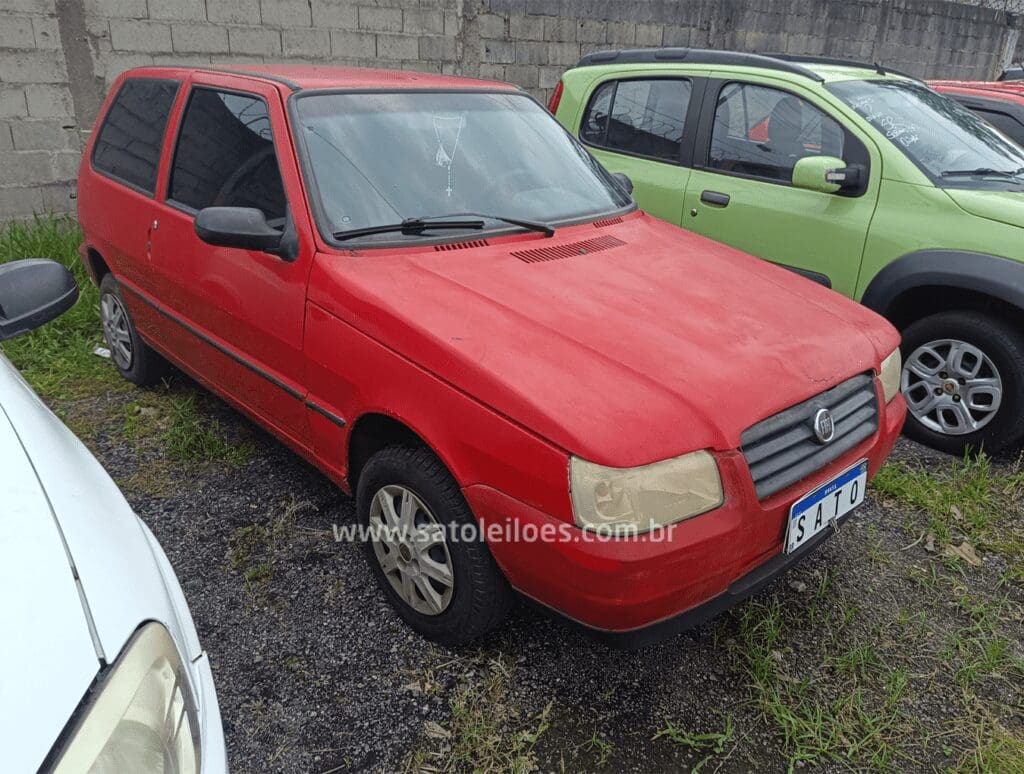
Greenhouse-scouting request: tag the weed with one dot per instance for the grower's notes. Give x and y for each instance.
(713, 742)
(193, 437)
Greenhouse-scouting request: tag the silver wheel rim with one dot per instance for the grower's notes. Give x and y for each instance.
(411, 548)
(951, 387)
(116, 331)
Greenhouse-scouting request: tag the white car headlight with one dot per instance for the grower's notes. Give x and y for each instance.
(632, 500)
(142, 718)
(889, 375)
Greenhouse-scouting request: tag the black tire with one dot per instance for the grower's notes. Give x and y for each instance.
(146, 366)
(1004, 346)
(480, 597)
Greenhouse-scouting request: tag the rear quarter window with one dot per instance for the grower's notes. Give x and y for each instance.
(128, 145)
(639, 117)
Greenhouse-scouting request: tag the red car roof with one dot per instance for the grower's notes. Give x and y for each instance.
(1010, 91)
(326, 77)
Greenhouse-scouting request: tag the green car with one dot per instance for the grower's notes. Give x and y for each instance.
(857, 177)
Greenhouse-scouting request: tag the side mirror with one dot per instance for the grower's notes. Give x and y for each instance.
(33, 291)
(826, 174)
(624, 182)
(242, 227)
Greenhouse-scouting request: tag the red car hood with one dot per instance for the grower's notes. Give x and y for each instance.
(660, 345)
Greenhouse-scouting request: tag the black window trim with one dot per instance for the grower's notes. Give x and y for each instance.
(702, 149)
(686, 143)
(312, 192)
(194, 87)
(163, 137)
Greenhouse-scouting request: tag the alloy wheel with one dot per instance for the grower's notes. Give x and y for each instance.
(411, 548)
(116, 331)
(951, 386)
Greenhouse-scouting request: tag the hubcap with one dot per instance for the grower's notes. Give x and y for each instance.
(410, 546)
(951, 387)
(115, 330)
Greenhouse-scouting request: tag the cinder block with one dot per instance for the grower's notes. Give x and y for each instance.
(380, 19)
(43, 134)
(438, 48)
(178, 10)
(306, 43)
(286, 13)
(527, 76)
(199, 38)
(49, 101)
(254, 40)
(147, 36)
(550, 76)
(531, 52)
(499, 51)
(16, 32)
(233, 11)
(20, 202)
(649, 34)
(353, 45)
(47, 32)
(491, 25)
(397, 47)
(335, 13)
(12, 102)
(65, 165)
(560, 29)
(6, 141)
(621, 34)
(526, 27)
(452, 23)
(27, 6)
(422, 21)
(57, 197)
(32, 67)
(492, 72)
(119, 9)
(591, 31)
(25, 167)
(563, 53)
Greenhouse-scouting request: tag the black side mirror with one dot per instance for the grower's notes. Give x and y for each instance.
(624, 182)
(242, 227)
(33, 291)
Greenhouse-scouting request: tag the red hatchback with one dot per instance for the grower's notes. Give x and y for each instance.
(426, 287)
(1001, 103)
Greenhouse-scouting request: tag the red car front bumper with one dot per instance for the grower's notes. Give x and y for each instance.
(632, 592)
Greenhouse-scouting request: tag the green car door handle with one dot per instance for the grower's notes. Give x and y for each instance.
(714, 198)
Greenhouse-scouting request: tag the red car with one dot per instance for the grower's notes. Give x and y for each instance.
(427, 288)
(1001, 103)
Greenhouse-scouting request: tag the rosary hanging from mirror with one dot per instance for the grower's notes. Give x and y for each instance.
(448, 130)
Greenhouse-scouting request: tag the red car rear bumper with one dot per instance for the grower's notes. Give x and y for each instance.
(633, 592)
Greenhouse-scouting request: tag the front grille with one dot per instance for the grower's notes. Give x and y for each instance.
(783, 449)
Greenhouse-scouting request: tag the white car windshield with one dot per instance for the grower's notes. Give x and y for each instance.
(950, 144)
(383, 158)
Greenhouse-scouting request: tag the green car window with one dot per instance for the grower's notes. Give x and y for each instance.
(763, 132)
(642, 117)
(946, 141)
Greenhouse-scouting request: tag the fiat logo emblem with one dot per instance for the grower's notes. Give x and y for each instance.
(824, 426)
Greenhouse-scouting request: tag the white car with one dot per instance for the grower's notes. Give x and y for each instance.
(102, 668)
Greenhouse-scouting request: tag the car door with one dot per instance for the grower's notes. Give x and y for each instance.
(639, 126)
(740, 192)
(237, 314)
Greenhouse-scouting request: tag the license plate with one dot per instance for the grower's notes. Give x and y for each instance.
(822, 507)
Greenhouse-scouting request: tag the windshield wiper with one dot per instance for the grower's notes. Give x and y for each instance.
(411, 226)
(983, 172)
(531, 225)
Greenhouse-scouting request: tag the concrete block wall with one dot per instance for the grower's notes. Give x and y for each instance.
(59, 57)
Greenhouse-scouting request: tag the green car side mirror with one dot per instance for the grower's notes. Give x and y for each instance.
(827, 174)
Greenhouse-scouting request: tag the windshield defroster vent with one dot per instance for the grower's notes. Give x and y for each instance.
(607, 222)
(461, 245)
(558, 252)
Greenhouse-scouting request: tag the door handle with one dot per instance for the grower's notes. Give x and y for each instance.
(714, 198)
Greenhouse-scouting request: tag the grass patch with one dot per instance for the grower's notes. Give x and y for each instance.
(253, 549)
(711, 743)
(193, 437)
(966, 501)
(486, 733)
(57, 359)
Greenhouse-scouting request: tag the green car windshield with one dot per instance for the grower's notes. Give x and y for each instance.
(380, 158)
(950, 144)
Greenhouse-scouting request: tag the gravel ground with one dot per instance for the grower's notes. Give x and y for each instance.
(315, 673)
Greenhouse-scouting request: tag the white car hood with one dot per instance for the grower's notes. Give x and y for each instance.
(47, 652)
(62, 515)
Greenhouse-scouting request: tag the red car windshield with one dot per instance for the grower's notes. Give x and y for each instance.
(381, 158)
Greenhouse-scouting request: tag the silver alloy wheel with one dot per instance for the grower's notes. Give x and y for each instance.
(115, 329)
(951, 386)
(410, 546)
